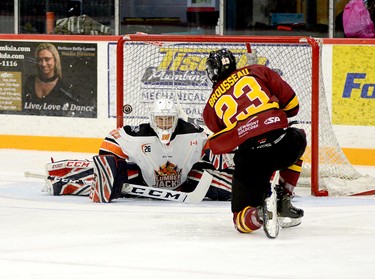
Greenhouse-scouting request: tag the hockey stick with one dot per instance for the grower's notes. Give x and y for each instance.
(163, 194)
(294, 122)
(144, 191)
(271, 224)
(55, 178)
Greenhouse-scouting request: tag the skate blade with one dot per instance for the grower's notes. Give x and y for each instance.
(270, 221)
(287, 222)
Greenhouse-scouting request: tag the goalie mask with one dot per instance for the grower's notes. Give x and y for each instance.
(163, 119)
(220, 64)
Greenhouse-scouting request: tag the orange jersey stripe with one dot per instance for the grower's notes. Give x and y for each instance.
(113, 148)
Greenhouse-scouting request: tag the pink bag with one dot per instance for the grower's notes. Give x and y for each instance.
(356, 20)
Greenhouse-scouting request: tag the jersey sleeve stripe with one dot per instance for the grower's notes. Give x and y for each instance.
(292, 104)
(295, 168)
(111, 147)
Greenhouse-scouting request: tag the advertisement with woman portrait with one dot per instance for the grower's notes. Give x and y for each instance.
(48, 79)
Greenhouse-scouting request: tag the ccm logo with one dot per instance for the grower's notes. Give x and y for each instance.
(72, 164)
(271, 120)
(155, 193)
(78, 164)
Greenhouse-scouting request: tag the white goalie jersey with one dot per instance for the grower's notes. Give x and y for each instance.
(162, 165)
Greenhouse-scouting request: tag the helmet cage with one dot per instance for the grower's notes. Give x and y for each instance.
(220, 64)
(163, 119)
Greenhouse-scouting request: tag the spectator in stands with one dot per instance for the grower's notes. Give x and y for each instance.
(357, 19)
(371, 8)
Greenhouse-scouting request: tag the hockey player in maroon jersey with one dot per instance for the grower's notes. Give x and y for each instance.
(248, 113)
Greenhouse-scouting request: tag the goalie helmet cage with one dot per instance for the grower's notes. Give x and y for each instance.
(173, 66)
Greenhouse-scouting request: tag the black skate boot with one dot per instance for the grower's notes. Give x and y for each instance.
(288, 215)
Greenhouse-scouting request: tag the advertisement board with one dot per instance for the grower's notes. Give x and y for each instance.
(48, 79)
(353, 85)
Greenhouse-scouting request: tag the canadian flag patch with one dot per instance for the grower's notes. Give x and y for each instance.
(193, 142)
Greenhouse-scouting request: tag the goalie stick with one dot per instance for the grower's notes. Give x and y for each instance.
(55, 178)
(195, 196)
(271, 224)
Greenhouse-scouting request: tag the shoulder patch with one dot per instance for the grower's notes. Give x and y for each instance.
(139, 131)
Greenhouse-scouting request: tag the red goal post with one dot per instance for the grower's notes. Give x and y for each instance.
(150, 66)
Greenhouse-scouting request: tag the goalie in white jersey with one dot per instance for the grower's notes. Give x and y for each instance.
(165, 153)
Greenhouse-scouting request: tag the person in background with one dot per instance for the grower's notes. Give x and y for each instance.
(248, 113)
(357, 19)
(370, 4)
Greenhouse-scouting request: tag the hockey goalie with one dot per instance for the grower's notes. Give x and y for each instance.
(167, 153)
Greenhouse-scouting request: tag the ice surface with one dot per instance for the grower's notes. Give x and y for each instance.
(52, 237)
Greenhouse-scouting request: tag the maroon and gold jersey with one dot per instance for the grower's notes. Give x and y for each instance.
(251, 101)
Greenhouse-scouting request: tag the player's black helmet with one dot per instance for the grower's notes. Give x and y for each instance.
(220, 64)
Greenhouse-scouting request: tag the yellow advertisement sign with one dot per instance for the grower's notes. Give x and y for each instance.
(353, 85)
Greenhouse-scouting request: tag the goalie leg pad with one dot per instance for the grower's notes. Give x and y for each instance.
(221, 184)
(105, 169)
(123, 171)
(247, 220)
(110, 175)
(215, 193)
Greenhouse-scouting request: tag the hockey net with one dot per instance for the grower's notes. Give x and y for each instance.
(154, 66)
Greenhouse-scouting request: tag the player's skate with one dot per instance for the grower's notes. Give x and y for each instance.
(269, 216)
(288, 215)
(269, 211)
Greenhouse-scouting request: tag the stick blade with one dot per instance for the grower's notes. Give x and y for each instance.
(201, 190)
